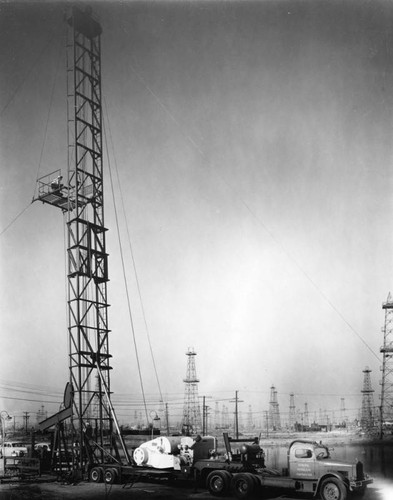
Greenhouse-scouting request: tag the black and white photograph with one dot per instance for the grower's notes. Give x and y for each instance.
(196, 269)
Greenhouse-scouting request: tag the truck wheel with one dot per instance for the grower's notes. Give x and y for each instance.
(95, 475)
(333, 489)
(242, 485)
(217, 482)
(110, 476)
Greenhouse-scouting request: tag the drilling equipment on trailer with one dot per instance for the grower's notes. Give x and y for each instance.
(310, 469)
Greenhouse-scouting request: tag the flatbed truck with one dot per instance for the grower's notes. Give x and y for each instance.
(310, 468)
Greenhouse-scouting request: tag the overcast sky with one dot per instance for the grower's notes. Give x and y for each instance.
(253, 142)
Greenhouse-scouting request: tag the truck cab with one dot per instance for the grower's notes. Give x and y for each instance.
(312, 466)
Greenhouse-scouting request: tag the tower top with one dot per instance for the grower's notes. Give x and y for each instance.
(83, 22)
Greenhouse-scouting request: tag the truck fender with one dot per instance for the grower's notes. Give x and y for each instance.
(337, 475)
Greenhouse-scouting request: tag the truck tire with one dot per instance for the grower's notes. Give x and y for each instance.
(333, 489)
(242, 485)
(95, 475)
(110, 476)
(218, 482)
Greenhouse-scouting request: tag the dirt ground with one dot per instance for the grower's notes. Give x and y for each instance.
(138, 491)
(101, 491)
(380, 490)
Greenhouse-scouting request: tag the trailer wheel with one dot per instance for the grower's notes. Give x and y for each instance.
(95, 475)
(110, 476)
(242, 485)
(333, 489)
(217, 482)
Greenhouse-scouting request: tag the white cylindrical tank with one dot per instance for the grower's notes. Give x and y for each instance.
(162, 452)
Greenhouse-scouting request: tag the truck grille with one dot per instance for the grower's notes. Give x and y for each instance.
(359, 471)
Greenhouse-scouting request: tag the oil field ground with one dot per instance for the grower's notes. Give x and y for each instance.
(92, 491)
(380, 490)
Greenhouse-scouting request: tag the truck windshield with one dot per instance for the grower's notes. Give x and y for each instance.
(321, 452)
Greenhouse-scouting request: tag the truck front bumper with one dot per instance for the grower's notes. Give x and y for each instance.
(360, 485)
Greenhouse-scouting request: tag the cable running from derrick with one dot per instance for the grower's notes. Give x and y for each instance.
(132, 256)
(27, 75)
(125, 281)
(253, 214)
(49, 113)
(15, 219)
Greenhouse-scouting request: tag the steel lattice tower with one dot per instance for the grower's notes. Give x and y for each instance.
(386, 413)
(216, 416)
(250, 424)
(343, 417)
(306, 421)
(274, 410)
(292, 411)
(367, 415)
(81, 198)
(191, 411)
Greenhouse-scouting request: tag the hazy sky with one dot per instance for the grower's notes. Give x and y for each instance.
(253, 142)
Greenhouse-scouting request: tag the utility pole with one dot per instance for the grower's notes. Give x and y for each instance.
(204, 415)
(26, 417)
(236, 401)
(167, 418)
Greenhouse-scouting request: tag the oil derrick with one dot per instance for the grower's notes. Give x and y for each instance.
(80, 196)
(250, 425)
(216, 416)
(292, 411)
(343, 418)
(386, 414)
(306, 420)
(367, 414)
(224, 417)
(274, 410)
(191, 411)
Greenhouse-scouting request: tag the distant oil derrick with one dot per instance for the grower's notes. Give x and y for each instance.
(224, 417)
(216, 416)
(250, 424)
(343, 417)
(306, 420)
(292, 411)
(274, 410)
(386, 416)
(191, 411)
(367, 416)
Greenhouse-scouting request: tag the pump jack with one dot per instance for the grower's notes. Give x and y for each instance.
(81, 199)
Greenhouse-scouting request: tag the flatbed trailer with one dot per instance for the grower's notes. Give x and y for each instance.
(310, 469)
(198, 473)
(173, 459)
